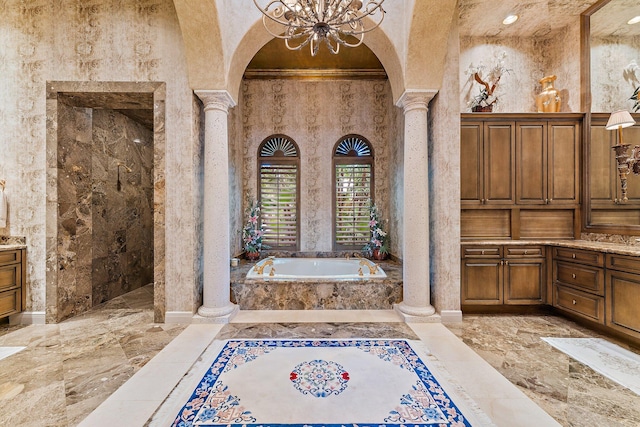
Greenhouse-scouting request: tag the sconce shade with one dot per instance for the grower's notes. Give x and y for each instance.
(620, 119)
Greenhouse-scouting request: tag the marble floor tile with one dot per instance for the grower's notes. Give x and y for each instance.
(69, 369)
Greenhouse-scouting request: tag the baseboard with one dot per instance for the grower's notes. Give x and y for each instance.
(182, 317)
(28, 318)
(451, 316)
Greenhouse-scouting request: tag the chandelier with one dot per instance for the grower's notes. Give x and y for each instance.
(315, 22)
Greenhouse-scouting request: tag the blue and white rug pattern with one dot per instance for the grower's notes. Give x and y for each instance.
(317, 382)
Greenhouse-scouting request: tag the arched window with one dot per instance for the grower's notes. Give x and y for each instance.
(352, 188)
(278, 191)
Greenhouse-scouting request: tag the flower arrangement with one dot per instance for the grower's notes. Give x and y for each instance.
(485, 100)
(252, 232)
(379, 238)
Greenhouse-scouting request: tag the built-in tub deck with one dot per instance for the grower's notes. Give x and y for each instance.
(283, 294)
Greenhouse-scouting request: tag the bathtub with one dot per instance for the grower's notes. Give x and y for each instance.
(317, 269)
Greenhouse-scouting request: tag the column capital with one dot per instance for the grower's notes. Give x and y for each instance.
(216, 100)
(413, 99)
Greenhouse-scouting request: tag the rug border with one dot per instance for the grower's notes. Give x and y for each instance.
(420, 368)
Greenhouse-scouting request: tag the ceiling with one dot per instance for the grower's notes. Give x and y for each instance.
(612, 19)
(543, 18)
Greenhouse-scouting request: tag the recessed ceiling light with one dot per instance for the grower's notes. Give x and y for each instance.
(634, 20)
(510, 19)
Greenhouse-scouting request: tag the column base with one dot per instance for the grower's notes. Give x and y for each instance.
(216, 315)
(417, 314)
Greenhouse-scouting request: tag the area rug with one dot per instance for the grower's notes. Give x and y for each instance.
(8, 351)
(608, 359)
(319, 383)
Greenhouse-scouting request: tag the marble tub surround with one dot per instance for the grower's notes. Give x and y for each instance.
(370, 294)
(68, 369)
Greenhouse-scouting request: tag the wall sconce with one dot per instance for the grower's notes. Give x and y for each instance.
(626, 163)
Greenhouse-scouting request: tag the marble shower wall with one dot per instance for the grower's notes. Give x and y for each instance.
(75, 219)
(122, 219)
(529, 60)
(316, 114)
(611, 85)
(97, 41)
(105, 236)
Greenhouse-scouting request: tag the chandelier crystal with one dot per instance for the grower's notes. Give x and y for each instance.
(315, 22)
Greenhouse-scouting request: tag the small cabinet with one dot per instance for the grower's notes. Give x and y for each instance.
(505, 274)
(12, 272)
(579, 282)
(547, 162)
(623, 294)
(487, 159)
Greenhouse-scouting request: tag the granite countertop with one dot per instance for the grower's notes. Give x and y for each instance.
(12, 247)
(614, 248)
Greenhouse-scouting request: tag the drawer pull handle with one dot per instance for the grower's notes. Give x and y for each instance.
(482, 253)
(574, 302)
(573, 275)
(525, 252)
(573, 256)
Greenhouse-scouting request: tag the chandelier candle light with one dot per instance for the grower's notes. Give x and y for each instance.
(626, 163)
(314, 22)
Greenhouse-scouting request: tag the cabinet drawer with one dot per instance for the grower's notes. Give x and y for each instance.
(580, 303)
(582, 276)
(10, 277)
(10, 302)
(481, 252)
(9, 257)
(524, 251)
(627, 263)
(579, 255)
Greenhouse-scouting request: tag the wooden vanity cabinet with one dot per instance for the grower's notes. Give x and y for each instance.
(12, 274)
(487, 154)
(547, 162)
(623, 294)
(503, 275)
(579, 283)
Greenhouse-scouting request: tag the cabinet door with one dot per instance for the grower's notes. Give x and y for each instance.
(531, 166)
(482, 281)
(524, 281)
(563, 162)
(471, 163)
(623, 300)
(499, 162)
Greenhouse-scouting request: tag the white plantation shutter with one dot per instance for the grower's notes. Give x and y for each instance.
(353, 164)
(278, 186)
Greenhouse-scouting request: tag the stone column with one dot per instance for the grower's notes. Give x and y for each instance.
(415, 235)
(216, 247)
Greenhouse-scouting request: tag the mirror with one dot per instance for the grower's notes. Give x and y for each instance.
(611, 72)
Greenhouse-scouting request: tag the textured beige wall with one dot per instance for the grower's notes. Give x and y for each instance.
(444, 186)
(611, 86)
(106, 40)
(529, 60)
(316, 115)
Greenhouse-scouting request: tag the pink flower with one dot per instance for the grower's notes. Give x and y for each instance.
(373, 223)
(253, 219)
